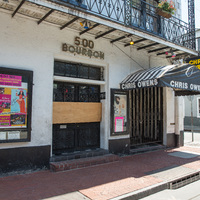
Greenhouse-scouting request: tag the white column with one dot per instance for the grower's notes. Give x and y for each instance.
(179, 115)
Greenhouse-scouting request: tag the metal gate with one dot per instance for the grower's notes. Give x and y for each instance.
(146, 115)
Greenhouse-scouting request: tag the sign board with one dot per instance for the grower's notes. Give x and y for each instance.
(194, 61)
(83, 47)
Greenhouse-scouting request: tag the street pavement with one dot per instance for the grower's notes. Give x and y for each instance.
(118, 180)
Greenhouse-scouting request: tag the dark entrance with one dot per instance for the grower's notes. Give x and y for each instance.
(147, 115)
(76, 136)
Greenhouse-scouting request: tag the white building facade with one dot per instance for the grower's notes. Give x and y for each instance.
(38, 46)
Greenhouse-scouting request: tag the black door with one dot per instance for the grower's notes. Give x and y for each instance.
(75, 137)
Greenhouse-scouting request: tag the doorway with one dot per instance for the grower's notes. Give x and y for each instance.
(76, 107)
(146, 116)
(68, 137)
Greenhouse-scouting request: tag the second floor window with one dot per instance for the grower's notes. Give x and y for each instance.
(77, 70)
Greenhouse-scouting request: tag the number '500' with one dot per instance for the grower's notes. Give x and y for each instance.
(84, 42)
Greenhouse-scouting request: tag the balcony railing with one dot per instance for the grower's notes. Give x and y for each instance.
(141, 15)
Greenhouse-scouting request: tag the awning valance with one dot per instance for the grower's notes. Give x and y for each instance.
(184, 78)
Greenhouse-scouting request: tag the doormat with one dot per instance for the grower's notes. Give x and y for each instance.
(171, 172)
(184, 154)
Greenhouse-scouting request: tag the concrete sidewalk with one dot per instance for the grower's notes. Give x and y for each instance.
(129, 176)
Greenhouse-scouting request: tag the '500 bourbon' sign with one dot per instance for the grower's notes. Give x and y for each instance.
(83, 47)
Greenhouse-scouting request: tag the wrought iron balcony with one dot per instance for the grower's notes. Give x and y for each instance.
(133, 14)
(142, 16)
(78, 3)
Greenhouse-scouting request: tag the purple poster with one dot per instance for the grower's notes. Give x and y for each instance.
(10, 80)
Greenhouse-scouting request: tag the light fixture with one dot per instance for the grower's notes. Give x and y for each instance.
(173, 55)
(171, 52)
(85, 24)
(131, 42)
(81, 23)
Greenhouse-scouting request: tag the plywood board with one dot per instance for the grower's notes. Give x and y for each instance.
(76, 112)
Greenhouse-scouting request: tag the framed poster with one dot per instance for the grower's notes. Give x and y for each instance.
(119, 112)
(15, 104)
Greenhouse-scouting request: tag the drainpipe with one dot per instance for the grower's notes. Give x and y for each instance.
(191, 99)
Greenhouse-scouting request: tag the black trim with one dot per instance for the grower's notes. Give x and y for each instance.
(119, 146)
(18, 7)
(45, 16)
(24, 158)
(151, 51)
(150, 45)
(120, 38)
(68, 23)
(105, 33)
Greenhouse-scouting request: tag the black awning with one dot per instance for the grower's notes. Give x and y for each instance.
(184, 78)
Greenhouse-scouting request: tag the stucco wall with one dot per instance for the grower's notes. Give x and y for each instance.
(187, 100)
(25, 45)
(191, 104)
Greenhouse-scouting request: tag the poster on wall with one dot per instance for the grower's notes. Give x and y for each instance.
(119, 123)
(119, 111)
(15, 103)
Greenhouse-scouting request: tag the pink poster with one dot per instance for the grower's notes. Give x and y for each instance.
(5, 98)
(10, 80)
(5, 101)
(119, 124)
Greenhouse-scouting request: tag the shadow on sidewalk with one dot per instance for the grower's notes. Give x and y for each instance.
(99, 182)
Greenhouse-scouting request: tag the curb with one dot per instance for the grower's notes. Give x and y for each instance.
(144, 192)
(138, 194)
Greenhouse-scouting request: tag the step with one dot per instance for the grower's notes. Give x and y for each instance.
(146, 148)
(79, 154)
(82, 162)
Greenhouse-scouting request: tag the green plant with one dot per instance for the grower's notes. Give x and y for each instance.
(167, 6)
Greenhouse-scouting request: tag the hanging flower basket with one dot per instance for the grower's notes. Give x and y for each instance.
(163, 13)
